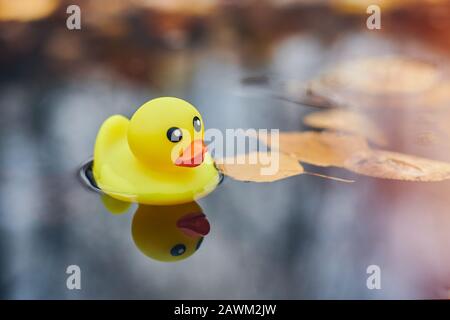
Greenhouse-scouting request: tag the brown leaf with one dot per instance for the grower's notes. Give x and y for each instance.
(439, 95)
(241, 168)
(319, 148)
(346, 121)
(382, 82)
(324, 176)
(383, 75)
(392, 165)
(353, 153)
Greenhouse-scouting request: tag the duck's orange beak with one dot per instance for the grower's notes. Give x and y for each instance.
(193, 155)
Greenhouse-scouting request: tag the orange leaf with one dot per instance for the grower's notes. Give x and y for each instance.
(241, 168)
(398, 166)
(319, 148)
(346, 121)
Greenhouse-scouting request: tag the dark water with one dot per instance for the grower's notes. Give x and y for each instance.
(303, 237)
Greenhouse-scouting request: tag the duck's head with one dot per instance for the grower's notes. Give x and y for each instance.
(169, 233)
(167, 133)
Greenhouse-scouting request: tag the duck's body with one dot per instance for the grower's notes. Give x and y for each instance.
(121, 174)
(169, 233)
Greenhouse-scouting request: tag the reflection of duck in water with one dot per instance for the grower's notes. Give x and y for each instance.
(164, 233)
(169, 233)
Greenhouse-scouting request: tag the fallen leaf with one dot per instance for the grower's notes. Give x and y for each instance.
(354, 154)
(382, 75)
(346, 121)
(392, 165)
(381, 82)
(319, 148)
(328, 177)
(439, 95)
(242, 168)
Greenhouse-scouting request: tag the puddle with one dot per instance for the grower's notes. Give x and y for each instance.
(87, 176)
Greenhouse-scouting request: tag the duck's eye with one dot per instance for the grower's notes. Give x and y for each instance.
(178, 250)
(174, 134)
(197, 124)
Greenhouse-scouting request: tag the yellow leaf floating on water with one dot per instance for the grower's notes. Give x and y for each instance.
(319, 148)
(354, 154)
(346, 121)
(250, 167)
(397, 166)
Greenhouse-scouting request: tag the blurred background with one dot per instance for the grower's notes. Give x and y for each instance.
(299, 238)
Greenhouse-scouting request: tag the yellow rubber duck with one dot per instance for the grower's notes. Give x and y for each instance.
(169, 233)
(158, 157)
